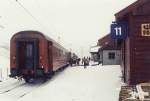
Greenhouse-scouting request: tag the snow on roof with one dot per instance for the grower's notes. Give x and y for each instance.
(94, 49)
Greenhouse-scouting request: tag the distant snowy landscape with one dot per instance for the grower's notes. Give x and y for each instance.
(95, 83)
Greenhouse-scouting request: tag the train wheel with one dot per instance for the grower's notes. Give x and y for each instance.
(29, 79)
(45, 79)
(49, 75)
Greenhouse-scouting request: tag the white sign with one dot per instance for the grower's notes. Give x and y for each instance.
(118, 31)
(145, 29)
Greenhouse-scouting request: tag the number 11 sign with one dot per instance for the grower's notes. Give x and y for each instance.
(119, 30)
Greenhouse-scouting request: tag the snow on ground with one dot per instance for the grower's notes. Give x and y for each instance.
(95, 83)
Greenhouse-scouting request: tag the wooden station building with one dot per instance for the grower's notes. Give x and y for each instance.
(109, 53)
(135, 49)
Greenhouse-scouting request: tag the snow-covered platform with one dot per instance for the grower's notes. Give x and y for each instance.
(95, 83)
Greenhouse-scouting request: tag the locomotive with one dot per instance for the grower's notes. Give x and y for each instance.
(34, 55)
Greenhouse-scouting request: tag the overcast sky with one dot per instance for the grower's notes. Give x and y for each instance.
(77, 24)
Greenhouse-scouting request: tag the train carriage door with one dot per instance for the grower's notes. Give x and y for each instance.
(20, 47)
(31, 56)
(36, 57)
(50, 59)
(27, 55)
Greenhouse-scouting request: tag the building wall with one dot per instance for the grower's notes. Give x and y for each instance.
(95, 57)
(107, 60)
(100, 56)
(136, 48)
(140, 52)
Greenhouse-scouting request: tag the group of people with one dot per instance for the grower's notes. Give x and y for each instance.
(78, 61)
(85, 61)
(73, 61)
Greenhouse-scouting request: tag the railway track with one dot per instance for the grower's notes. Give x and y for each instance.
(21, 91)
(17, 89)
(11, 88)
(9, 85)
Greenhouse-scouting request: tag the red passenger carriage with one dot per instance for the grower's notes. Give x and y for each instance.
(34, 55)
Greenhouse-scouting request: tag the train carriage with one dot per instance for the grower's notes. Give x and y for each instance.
(34, 55)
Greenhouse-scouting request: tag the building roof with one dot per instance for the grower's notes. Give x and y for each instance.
(131, 8)
(107, 43)
(104, 40)
(41, 34)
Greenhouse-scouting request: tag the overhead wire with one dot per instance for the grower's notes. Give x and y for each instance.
(59, 38)
(42, 12)
(29, 13)
(1, 26)
(33, 17)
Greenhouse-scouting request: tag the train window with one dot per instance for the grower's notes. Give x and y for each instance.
(29, 49)
(64, 53)
(60, 52)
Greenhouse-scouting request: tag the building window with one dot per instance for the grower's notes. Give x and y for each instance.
(111, 55)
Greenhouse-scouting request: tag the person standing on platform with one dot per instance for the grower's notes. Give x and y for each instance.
(78, 61)
(85, 62)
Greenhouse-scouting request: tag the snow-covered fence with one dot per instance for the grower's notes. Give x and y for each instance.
(4, 73)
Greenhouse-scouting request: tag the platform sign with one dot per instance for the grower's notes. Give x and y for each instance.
(119, 30)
